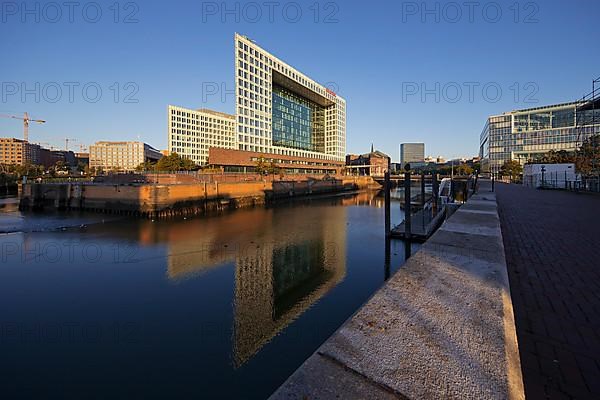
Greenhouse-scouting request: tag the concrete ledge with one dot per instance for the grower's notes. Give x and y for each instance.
(441, 327)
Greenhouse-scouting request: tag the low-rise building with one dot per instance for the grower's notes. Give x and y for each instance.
(121, 156)
(374, 163)
(231, 160)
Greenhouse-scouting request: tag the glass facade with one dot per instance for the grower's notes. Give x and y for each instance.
(523, 135)
(258, 75)
(297, 122)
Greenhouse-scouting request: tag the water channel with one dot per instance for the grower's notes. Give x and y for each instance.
(225, 306)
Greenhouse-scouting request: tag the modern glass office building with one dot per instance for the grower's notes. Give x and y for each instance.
(279, 112)
(523, 135)
(412, 153)
(282, 111)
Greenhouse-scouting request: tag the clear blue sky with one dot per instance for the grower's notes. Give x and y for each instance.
(376, 54)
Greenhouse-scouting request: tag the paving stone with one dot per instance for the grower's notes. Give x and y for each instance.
(552, 245)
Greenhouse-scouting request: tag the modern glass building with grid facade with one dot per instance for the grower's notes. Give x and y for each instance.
(279, 111)
(282, 111)
(523, 135)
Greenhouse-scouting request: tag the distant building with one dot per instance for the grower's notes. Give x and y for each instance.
(121, 156)
(49, 158)
(524, 134)
(412, 153)
(83, 158)
(374, 163)
(18, 152)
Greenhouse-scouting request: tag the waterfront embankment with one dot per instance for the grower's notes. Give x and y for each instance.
(441, 327)
(164, 200)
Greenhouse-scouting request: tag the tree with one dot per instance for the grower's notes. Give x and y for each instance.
(82, 167)
(463, 169)
(587, 159)
(555, 157)
(146, 166)
(188, 165)
(174, 162)
(262, 168)
(511, 168)
(61, 166)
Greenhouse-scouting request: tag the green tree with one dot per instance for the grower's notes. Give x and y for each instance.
(146, 166)
(587, 158)
(555, 157)
(511, 168)
(174, 162)
(188, 165)
(262, 167)
(463, 169)
(82, 167)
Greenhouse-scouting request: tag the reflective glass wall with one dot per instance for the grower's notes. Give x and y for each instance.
(297, 122)
(526, 134)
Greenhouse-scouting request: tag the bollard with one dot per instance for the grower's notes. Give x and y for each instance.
(407, 207)
(386, 189)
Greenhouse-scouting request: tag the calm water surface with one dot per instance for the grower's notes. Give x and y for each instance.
(220, 307)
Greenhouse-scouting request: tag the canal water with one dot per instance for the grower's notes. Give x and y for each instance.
(217, 307)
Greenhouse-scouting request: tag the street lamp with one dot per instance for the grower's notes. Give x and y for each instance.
(543, 174)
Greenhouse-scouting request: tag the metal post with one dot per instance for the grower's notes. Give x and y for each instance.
(386, 189)
(422, 190)
(407, 207)
(435, 189)
(388, 259)
(492, 182)
(407, 250)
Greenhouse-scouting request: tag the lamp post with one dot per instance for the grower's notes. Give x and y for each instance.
(543, 175)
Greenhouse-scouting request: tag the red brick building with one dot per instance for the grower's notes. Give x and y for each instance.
(374, 163)
(245, 161)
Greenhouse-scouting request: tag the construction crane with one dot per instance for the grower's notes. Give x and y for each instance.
(67, 140)
(26, 121)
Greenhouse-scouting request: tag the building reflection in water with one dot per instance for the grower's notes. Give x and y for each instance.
(286, 259)
(291, 271)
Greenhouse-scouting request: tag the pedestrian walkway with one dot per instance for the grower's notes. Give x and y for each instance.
(552, 245)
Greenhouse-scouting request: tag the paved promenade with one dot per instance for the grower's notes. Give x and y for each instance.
(552, 245)
(441, 328)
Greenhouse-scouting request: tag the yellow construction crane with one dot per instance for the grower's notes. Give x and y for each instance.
(26, 121)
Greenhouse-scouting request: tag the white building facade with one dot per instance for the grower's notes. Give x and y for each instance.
(121, 156)
(282, 111)
(279, 111)
(193, 132)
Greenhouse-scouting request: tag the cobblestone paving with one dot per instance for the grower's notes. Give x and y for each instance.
(552, 245)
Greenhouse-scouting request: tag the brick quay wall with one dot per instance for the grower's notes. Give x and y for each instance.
(164, 200)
